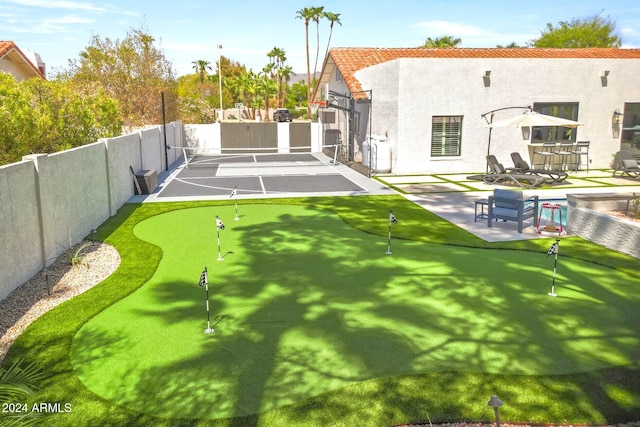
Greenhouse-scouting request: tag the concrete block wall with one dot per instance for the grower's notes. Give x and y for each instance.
(50, 202)
(587, 217)
(21, 243)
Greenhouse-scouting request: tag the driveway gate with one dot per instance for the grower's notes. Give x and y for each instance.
(263, 137)
(242, 135)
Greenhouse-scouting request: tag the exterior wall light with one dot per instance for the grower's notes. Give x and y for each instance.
(486, 78)
(616, 119)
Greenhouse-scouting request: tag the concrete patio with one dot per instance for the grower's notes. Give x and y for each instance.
(452, 196)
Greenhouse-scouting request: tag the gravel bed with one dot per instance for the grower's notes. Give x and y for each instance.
(52, 286)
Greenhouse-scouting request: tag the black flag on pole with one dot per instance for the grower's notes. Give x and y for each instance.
(203, 278)
(233, 193)
(392, 217)
(553, 249)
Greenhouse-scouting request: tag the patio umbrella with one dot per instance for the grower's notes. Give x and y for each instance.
(532, 118)
(528, 119)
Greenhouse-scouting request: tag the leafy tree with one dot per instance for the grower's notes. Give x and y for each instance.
(444, 41)
(512, 45)
(195, 105)
(38, 116)
(297, 95)
(133, 71)
(594, 31)
(198, 101)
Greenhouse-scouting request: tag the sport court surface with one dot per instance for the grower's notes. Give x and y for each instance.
(263, 175)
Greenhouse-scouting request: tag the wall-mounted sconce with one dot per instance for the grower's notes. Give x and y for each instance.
(486, 78)
(604, 73)
(616, 119)
(526, 132)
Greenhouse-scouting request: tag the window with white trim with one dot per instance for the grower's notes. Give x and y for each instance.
(446, 135)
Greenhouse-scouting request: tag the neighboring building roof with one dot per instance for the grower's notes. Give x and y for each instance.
(351, 59)
(10, 52)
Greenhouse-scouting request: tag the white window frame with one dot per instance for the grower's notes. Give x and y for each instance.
(446, 136)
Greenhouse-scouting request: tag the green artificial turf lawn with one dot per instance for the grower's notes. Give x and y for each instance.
(304, 304)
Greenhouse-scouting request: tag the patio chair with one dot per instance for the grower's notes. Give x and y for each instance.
(499, 175)
(553, 176)
(565, 154)
(510, 205)
(626, 164)
(581, 149)
(547, 152)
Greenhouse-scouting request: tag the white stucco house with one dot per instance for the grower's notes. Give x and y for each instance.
(23, 65)
(431, 104)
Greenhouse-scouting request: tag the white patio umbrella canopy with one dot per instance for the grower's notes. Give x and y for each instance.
(531, 118)
(527, 119)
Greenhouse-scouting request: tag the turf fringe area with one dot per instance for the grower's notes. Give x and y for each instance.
(608, 395)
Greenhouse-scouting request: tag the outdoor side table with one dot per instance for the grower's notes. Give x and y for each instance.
(479, 209)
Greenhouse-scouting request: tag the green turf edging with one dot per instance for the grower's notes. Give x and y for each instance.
(597, 397)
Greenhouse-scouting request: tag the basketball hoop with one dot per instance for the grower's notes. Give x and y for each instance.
(321, 104)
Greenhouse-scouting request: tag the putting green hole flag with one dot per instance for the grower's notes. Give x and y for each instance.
(203, 278)
(219, 223)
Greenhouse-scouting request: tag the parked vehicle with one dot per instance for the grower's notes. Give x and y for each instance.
(282, 115)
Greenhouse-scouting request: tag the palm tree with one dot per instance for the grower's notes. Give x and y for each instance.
(266, 87)
(307, 14)
(201, 66)
(334, 18)
(284, 75)
(17, 382)
(277, 58)
(444, 41)
(318, 13)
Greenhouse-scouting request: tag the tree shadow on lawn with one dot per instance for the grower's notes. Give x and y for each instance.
(315, 306)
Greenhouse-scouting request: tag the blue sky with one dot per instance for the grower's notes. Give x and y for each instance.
(189, 30)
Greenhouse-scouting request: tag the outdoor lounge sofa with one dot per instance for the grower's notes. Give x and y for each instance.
(521, 166)
(511, 205)
(499, 175)
(625, 164)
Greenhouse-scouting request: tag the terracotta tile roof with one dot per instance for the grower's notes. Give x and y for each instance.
(7, 47)
(351, 59)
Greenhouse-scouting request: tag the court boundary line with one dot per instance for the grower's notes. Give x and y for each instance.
(336, 169)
